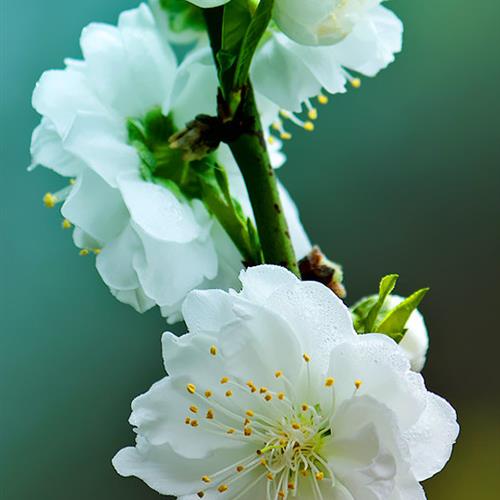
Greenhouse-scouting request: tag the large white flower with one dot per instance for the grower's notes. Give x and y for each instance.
(273, 395)
(153, 245)
(312, 47)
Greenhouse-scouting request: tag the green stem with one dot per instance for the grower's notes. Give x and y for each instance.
(250, 152)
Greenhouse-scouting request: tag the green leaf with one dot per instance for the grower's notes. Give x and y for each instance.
(396, 319)
(235, 22)
(387, 284)
(254, 33)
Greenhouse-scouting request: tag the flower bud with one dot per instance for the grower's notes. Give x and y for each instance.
(415, 342)
(319, 22)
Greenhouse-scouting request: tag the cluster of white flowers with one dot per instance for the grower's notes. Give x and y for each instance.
(313, 46)
(278, 390)
(152, 246)
(272, 395)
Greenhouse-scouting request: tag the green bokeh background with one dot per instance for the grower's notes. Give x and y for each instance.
(400, 176)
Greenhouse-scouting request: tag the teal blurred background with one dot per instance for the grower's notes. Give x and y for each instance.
(400, 176)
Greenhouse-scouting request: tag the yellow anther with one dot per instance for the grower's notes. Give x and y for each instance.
(66, 224)
(194, 423)
(285, 136)
(263, 462)
(276, 125)
(313, 114)
(193, 409)
(247, 421)
(230, 431)
(96, 251)
(304, 472)
(72, 182)
(270, 476)
(306, 357)
(210, 414)
(284, 113)
(240, 468)
(309, 126)
(320, 476)
(224, 380)
(281, 396)
(251, 386)
(358, 384)
(263, 390)
(208, 394)
(283, 441)
(191, 388)
(83, 252)
(271, 139)
(268, 397)
(356, 83)
(200, 494)
(281, 494)
(323, 99)
(247, 431)
(249, 413)
(222, 488)
(49, 200)
(206, 479)
(213, 350)
(291, 486)
(305, 407)
(296, 426)
(278, 374)
(329, 382)
(187, 421)
(229, 394)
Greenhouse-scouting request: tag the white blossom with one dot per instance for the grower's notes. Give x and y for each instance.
(312, 49)
(272, 395)
(152, 246)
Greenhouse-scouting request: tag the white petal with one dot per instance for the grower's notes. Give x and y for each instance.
(195, 88)
(135, 298)
(130, 67)
(169, 270)
(167, 472)
(159, 213)
(260, 282)
(301, 242)
(95, 207)
(322, 62)
(319, 318)
(160, 413)
(281, 76)
(60, 94)
(83, 240)
(431, 439)
(100, 140)
(384, 372)
(372, 44)
(115, 261)
(371, 472)
(47, 150)
(207, 4)
(253, 342)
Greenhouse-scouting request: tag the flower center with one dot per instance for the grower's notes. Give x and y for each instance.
(288, 436)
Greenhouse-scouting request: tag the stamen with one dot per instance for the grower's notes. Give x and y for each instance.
(329, 382)
(358, 383)
(193, 409)
(66, 224)
(323, 99)
(224, 380)
(191, 388)
(306, 357)
(213, 350)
